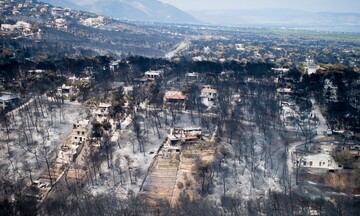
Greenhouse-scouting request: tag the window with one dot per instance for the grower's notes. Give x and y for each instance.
(304, 163)
(320, 163)
(310, 163)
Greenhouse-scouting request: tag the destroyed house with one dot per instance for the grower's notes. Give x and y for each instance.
(102, 112)
(37, 74)
(66, 91)
(80, 132)
(192, 76)
(70, 150)
(184, 134)
(174, 97)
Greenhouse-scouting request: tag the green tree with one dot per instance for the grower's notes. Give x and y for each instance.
(117, 103)
(84, 87)
(344, 158)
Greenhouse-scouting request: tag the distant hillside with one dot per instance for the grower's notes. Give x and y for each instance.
(47, 31)
(281, 18)
(139, 10)
(62, 3)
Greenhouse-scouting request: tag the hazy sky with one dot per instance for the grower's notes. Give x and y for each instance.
(308, 5)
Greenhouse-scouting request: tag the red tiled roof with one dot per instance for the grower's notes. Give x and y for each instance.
(192, 137)
(209, 90)
(175, 95)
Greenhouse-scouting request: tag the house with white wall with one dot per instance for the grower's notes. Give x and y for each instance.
(318, 161)
(154, 74)
(102, 112)
(209, 93)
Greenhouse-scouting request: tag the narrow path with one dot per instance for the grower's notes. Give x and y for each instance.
(322, 125)
(159, 184)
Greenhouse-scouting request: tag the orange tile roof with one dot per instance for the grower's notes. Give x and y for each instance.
(175, 95)
(209, 90)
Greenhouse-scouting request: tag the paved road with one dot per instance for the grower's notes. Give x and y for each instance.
(183, 45)
(321, 131)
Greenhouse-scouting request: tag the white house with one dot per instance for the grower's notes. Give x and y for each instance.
(73, 80)
(240, 47)
(57, 11)
(280, 70)
(209, 93)
(322, 161)
(102, 112)
(311, 69)
(20, 25)
(154, 74)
